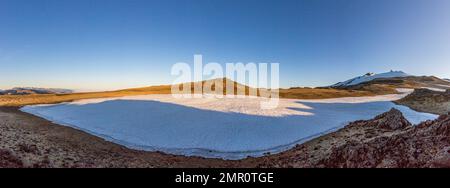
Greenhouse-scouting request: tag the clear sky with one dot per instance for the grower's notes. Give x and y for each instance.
(110, 44)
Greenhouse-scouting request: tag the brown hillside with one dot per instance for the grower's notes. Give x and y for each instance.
(294, 93)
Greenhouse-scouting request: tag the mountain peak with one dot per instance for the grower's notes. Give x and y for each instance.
(369, 77)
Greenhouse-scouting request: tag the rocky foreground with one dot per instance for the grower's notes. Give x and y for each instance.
(388, 140)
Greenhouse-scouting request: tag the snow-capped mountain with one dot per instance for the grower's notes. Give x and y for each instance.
(446, 79)
(369, 77)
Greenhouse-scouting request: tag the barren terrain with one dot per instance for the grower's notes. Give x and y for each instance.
(385, 141)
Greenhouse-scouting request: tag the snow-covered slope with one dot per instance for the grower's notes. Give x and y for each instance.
(369, 77)
(446, 79)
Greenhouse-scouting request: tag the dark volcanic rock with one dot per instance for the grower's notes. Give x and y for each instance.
(7, 160)
(392, 120)
(424, 145)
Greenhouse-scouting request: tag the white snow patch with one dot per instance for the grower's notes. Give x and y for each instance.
(237, 105)
(224, 128)
(442, 85)
(434, 89)
(404, 90)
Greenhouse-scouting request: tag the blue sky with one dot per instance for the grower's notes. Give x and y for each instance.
(110, 44)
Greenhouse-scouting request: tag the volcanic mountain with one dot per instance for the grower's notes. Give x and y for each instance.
(369, 77)
(391, 80)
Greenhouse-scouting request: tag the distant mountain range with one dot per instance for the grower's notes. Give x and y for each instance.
(34, 90)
